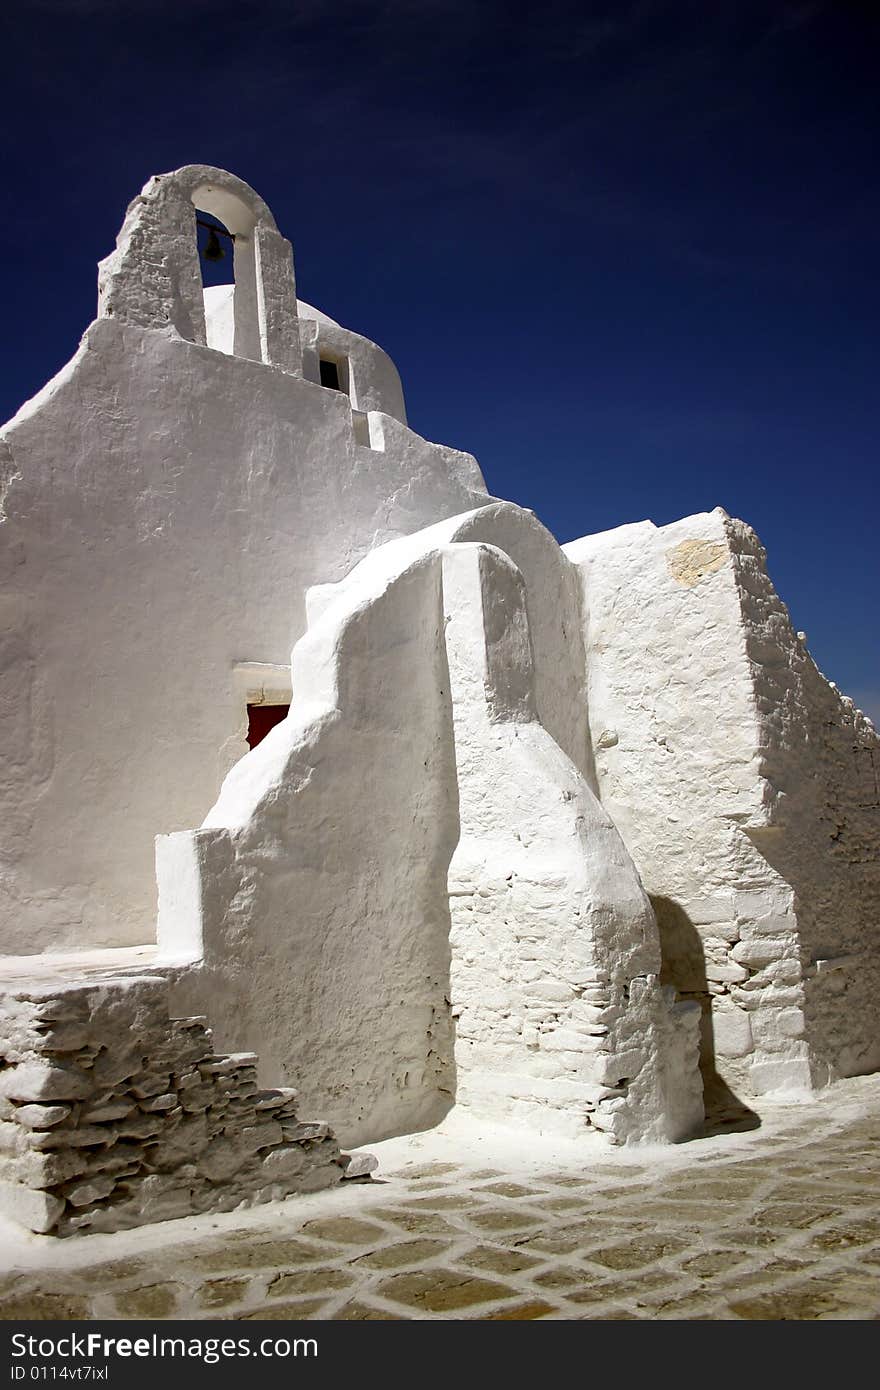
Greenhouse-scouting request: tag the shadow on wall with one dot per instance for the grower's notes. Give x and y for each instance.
(684, 966)
(832, 868)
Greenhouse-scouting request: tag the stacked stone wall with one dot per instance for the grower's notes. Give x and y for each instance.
(113, 1115)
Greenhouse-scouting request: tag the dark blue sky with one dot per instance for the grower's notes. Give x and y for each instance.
(624, 252)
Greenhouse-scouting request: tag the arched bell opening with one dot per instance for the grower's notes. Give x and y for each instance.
(225, 239)
(216, 247)
(162, 228)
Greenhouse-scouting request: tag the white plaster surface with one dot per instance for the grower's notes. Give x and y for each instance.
(330, 957)
(554, 945)
(167, 507)
(536, 819)
(743, 784)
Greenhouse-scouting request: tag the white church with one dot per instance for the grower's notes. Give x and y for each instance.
(336, 793)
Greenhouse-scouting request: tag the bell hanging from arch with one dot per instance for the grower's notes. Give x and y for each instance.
(213, 250)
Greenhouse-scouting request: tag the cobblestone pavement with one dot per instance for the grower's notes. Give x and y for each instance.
(782, 1222)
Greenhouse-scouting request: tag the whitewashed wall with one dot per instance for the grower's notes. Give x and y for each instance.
(312, 905)
(741, 782)
(165, 508)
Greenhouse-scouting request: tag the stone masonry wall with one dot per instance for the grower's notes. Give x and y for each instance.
(113, 1115)
(744, 786)
(820, 760)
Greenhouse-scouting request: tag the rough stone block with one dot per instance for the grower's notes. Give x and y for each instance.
(359, 1165)
(38, 1211)
(83, 1194)
(221, 1160)
(791, 1023)
(759, 951)
(41, 1170)
(151, 1084)
(35, 1083)
(42, 1116)
(64, 1037)
(262, 1136)
(166, 1101)
(13, 1139)
(732, 1032)
(284, 1164)
(789, 1074)
(619, 1067)
(102, 1114)
(114, 1067)
(728, 974)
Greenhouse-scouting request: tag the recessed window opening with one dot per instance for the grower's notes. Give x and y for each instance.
(334, 372)
(262, 718)
(330, 375)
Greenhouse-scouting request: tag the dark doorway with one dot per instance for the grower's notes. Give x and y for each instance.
(262, 718)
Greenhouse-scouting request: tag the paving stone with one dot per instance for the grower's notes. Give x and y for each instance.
(497, 1219)
(109, 1276)
(650, 1286)
(152, 1301)
(845, 1237)
(408, 1252)
(37, 1306)
(220, 1293)
(267, 1254)
(499, 1261)
(285, 1312)
(345, 1230)
(420, 1221)
(726, 1190)
(522, 1311)
(560, 1277)
(747, 1237)
(843, 1197)
(615, 1198)
(303, 1281)
(690, 1307)
(772, 1271)
(610, 1315)
(675, 1210)
(711, 1262)
(442, 1290)
(513, 1189)
(817, 1298)
(362, 1312)
(456, 1202)
(637, 1253)
(794, 1216)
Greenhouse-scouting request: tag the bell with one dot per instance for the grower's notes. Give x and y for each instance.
(213, 250)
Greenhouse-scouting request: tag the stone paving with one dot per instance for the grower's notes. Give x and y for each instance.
(782, 1222)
